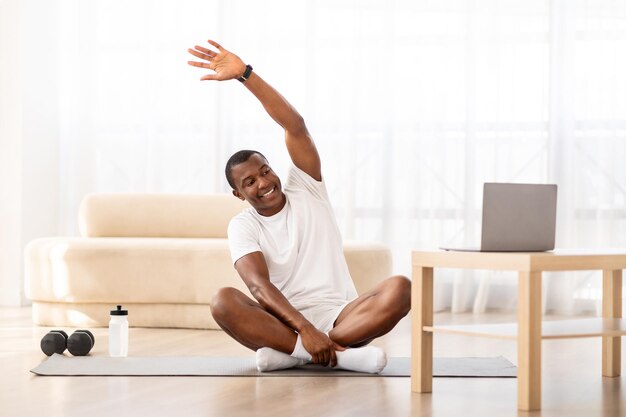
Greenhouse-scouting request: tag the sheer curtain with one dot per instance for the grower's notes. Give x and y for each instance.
(413, 105)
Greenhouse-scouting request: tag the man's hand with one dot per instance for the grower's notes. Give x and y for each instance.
(321, 348)
(226, 65)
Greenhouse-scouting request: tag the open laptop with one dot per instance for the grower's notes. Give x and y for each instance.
(517, 218)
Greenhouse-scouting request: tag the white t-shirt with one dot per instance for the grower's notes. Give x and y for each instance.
(301, 245)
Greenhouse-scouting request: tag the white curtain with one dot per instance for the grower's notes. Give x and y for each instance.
(413, 105)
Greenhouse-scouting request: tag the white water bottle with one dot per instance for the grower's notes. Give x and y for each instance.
(118, 333)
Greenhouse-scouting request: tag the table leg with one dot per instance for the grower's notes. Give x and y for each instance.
(611, 308)
(529, 341)
(422, 315)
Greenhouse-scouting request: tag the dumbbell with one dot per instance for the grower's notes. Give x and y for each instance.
(78, 344)
(54, 342)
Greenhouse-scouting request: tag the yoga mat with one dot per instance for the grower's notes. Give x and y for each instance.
(61, 365)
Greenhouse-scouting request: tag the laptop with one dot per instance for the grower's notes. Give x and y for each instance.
(517, 218)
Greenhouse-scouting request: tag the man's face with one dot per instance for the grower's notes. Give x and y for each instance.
(256, 183)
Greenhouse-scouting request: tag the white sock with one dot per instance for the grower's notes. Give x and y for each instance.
(370, 359)
(268, 359)
(300, 352)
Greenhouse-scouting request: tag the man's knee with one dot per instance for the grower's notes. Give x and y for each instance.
(223, 303)
(400, 290)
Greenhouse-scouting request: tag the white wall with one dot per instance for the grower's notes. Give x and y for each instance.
(40, 122)
(28, 142)
(10, 153)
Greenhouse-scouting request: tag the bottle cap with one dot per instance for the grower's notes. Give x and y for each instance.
(119, 312)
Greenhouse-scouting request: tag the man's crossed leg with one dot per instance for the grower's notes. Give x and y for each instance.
(369, 316)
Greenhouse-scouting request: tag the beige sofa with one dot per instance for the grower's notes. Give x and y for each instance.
(162, 256)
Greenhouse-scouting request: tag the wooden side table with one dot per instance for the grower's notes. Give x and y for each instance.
(528, 331)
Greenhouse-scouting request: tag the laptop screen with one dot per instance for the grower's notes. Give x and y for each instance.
(518, 217)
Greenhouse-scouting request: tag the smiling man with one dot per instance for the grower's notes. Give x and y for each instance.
(288, 250)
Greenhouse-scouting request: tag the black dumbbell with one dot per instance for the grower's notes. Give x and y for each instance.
(54, 342)
(80, 342)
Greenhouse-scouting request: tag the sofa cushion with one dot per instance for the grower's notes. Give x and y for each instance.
(121, 270)
(157, 215)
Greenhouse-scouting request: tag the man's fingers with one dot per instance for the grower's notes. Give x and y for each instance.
(205, 65)
(199, 64)
(205, 51)
(333, 358)
(217, 45)
(200, 54)
(326, 357)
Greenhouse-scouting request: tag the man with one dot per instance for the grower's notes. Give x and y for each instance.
(288, 250)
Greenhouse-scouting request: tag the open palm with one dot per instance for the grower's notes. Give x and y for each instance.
(225, 64)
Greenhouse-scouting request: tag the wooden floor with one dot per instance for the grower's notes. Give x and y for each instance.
(572, 381)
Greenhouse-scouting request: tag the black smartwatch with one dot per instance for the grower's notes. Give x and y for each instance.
(246, 74)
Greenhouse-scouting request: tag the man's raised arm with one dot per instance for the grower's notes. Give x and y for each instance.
(228, 66)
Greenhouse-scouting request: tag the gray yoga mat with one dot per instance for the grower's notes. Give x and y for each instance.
(61, 365)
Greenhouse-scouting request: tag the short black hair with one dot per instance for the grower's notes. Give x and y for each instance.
(238, 158)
